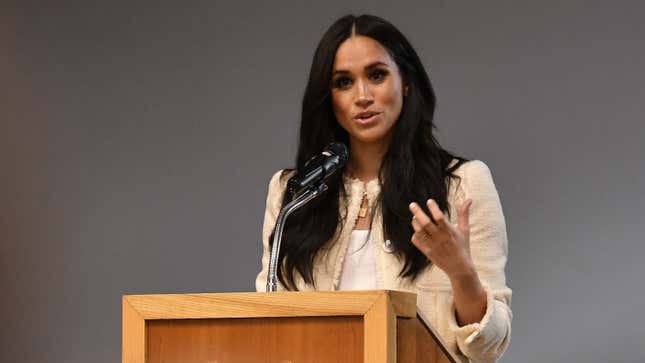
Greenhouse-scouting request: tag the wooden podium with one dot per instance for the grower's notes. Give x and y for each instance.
(335, 326)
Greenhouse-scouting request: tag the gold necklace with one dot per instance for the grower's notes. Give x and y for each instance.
(362, 213)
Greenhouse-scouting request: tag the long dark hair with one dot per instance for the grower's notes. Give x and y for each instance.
(414, 168)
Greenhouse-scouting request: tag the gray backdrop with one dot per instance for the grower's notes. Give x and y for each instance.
(137, 141)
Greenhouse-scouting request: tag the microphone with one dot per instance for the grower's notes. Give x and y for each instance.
(319, 168)
(304, 187)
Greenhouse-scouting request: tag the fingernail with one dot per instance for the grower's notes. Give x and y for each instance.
(430, 201)
(412, 205)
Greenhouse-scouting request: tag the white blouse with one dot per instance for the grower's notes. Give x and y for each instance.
(359, 266)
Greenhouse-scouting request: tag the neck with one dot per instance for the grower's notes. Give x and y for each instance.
(365, 159)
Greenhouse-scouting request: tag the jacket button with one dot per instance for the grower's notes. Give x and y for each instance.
(388, 246)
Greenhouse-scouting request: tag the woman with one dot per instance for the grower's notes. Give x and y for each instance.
(405, 214)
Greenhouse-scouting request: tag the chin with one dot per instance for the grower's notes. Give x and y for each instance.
(369, 137)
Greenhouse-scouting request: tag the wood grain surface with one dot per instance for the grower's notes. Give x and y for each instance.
(134, 334)
(380, 332)
(268, 340)
(416, 344)
(260, 304)
(378, 326)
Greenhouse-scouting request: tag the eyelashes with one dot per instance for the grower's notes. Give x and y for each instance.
(341, 82)
(378, 75)
(344, 82)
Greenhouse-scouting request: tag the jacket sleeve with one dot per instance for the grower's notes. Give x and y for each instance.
(485, 341)
(275, 193)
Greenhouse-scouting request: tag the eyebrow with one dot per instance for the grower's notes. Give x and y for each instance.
(369, 66)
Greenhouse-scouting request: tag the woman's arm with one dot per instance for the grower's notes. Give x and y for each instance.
(449, 248)
(473, 255)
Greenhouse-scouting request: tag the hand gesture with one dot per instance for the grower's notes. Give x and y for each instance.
(446, 245)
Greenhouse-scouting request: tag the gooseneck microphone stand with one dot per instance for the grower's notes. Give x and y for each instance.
(305, 197)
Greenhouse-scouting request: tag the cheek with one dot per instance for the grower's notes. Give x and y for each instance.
(341, 106)
(393, 99)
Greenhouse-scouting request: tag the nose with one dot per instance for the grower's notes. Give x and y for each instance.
(364, 97)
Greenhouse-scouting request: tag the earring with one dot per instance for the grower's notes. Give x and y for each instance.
(405, 91)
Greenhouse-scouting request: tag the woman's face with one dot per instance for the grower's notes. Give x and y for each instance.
(366, 90)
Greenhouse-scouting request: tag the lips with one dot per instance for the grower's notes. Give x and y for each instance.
(366, 117)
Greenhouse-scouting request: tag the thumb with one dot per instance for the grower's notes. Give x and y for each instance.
(463, 222)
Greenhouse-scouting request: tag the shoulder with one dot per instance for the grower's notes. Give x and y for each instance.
(280, 178)
(475, 175)
(473, 180)
(473, 169)
(278, 183)
(276, 179)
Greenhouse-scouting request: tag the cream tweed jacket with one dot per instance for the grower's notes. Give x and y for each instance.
(480, 342)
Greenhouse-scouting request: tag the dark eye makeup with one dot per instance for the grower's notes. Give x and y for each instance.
(342, 82)
(378, 75)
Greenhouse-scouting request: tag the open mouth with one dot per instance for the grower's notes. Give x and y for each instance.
(367, 117)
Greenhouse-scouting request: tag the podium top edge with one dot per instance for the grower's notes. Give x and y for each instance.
(271, 304)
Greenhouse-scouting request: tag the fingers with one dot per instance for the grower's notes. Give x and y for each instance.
(437, 214)
(437, 238)
(416, 225)
(423, 228)
(422, 219)
(421, 241)
(420, 235)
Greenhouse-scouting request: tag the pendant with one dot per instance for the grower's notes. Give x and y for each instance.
(362, 213)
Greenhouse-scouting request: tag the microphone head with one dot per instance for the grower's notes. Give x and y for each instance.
(336, 156)
(338, 148)
(320, 167)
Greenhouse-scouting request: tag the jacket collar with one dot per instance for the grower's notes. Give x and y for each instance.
(356, 188)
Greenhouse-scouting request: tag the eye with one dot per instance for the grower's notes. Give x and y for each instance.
(378, 75)
(342, 82)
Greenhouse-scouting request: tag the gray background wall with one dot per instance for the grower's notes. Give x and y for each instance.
(136, 143)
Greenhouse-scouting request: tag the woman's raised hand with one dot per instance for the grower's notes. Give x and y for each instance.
(447, 246)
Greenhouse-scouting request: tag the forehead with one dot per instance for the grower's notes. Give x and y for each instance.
(358, 51)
